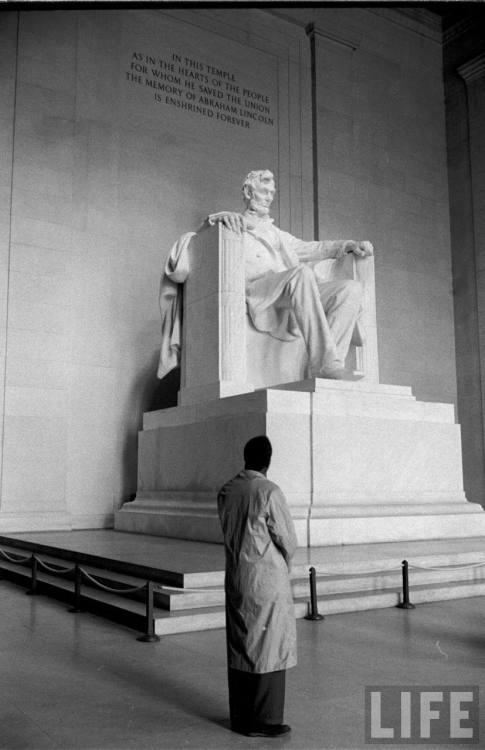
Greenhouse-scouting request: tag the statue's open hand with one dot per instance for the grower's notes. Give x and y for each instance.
(361, 249)
(237, 223)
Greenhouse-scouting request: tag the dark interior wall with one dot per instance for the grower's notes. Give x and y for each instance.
(464, 40)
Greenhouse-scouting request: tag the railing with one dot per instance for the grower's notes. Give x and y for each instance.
(405, 602)
(78, 573)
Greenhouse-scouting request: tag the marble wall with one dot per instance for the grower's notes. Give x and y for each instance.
(106, 174)
(101, 176)
(8, 31)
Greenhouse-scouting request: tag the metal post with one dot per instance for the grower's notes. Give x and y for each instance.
(149, 636)
(33, 581)
(405, 604)
(77, 590)
(313, 613)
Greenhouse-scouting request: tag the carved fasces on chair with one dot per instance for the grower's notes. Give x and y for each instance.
(367, 358)
(363, 355)
(214, 324)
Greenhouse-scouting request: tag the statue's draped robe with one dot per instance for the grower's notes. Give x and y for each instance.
(175, 274)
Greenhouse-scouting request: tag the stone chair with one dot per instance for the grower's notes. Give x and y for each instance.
(223, 354)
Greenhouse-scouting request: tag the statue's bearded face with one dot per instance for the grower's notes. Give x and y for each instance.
(261, 196)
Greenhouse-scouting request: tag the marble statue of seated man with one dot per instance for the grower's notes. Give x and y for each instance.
(284, 296)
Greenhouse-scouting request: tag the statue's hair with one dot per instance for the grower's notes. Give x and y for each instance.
(257, 175)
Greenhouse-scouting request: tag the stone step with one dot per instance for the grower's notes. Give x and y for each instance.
(381, 563)
(116, 606)
(107, 604)
(109, 578)
(327, 585)
(341, 397)
(128, 611)
(363, 600)
(176, 599)
(201, 598)
(214, 617)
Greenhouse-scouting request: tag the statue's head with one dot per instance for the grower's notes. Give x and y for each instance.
(259, 189)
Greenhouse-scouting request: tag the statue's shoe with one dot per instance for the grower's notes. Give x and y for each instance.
(332, 373)
(339, 373)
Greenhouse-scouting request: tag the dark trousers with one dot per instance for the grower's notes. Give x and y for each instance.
(256, 698)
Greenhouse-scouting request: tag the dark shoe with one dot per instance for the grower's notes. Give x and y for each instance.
(268, 730)
(238, 728)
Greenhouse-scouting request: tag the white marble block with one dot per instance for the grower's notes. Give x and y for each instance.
(358, 462)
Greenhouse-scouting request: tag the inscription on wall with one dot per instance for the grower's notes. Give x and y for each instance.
(203, 89)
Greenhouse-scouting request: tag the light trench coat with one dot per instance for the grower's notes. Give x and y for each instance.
(259, 540)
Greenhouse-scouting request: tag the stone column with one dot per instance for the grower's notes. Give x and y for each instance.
(473, 73)
(8, 76)
(332, 61)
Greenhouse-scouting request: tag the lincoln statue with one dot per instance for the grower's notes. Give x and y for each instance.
(284, 295)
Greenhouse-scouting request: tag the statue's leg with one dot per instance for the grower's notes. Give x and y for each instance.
(342, 303)
(302, 295)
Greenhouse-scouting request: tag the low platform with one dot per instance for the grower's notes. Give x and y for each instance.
(190, 575)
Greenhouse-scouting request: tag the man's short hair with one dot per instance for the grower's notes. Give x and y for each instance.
(258, 452)
(255, 177)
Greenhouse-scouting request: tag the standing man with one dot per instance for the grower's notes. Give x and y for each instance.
(259, 540)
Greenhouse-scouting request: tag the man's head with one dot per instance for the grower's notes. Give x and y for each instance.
(257, 454)
(259, 190)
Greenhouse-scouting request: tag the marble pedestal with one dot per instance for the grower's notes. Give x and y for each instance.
(358, 462)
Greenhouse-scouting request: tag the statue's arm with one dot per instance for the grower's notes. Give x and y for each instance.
(321, 250)
(339, 248)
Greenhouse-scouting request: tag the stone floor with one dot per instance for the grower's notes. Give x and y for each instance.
(76, 681)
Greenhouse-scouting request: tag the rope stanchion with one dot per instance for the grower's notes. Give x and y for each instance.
(33, 576)
(77, 590)
(405, 604)
(149, 636)
(313, 613)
